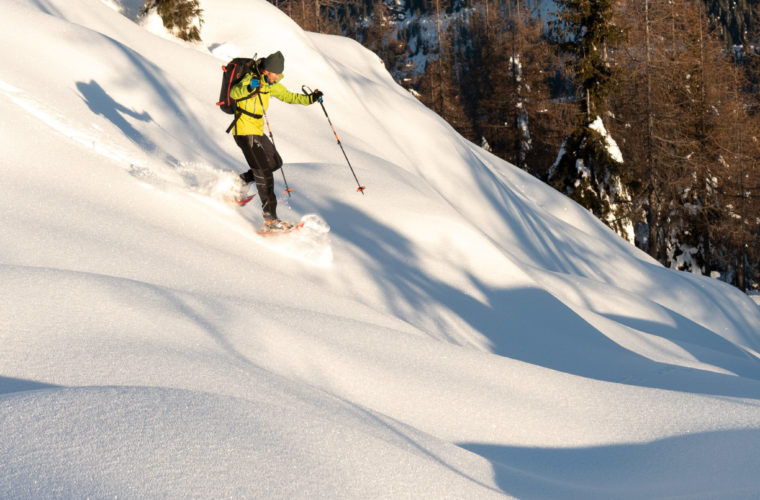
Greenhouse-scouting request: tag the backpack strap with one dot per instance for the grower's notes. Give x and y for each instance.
(239, 112)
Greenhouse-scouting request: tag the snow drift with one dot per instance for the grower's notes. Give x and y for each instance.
(461, 331)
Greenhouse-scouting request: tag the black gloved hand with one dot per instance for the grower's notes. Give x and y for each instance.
(316, 96)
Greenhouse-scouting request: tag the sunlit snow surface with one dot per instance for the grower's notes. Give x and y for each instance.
(461, 331)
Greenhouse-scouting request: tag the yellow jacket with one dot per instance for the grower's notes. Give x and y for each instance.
(249, 125)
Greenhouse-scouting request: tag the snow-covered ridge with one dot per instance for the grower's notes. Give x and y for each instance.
(472, 334)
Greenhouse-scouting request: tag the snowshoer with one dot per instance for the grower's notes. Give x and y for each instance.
(252, 94)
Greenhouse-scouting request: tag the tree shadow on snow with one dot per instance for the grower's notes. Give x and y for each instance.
(9, 385)
(193, 131)
(670, 467)
(540, 238)
(527, 324)
(104, 105)
(46, 7)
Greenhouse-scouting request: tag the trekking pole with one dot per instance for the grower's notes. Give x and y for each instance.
(271, 138)
(288, 190)
(361, 188)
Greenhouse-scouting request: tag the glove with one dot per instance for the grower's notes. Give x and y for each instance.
(316, 96)
(255, 83)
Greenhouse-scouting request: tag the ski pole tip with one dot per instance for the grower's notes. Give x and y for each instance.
(361, 189)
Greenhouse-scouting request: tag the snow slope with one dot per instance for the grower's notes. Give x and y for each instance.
(462, 331)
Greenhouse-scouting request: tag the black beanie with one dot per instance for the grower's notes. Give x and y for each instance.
(274, 63)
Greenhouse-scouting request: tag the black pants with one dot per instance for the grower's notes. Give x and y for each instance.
(263, 159)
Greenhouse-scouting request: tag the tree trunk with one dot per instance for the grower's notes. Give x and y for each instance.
(653, 201)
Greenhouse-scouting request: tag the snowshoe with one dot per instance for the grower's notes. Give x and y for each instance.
(239, 194)
(277, 226)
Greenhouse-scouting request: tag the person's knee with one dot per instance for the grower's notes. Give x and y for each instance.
(248, 177)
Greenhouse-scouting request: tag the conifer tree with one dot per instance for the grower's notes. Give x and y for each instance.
(182, 18)
(690, 126)
(379, 35)
(588, 168)
(718, 208)
(439, 86)
(737, 237)
(491, 82)
(586, 32)
(649, 108)
(504, 65)
(507, 96)
(694, 210)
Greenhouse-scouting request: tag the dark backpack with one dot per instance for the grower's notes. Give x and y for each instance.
(233, 72)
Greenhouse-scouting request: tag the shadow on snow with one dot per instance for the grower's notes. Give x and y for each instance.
(530, 324)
